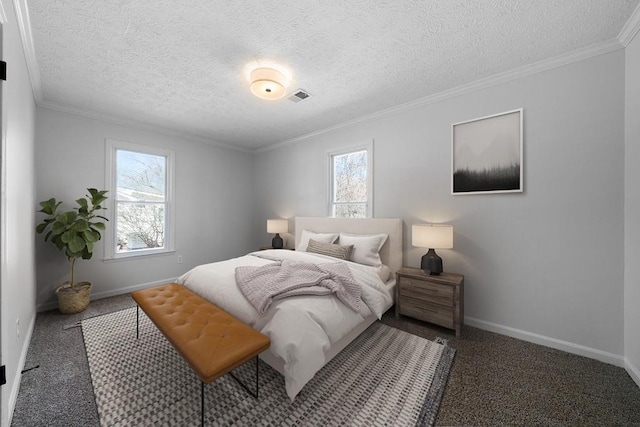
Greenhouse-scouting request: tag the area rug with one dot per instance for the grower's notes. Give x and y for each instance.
(384, 377)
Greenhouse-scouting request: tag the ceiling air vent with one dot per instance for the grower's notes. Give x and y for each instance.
(299, 95)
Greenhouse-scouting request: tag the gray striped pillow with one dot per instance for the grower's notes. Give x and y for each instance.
(330, 249)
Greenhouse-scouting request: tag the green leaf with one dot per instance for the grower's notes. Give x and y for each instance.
(58, 242)
(49, 206)
(86, 254)
(95, 192)
(80, 225)
(89, 248)
(47, 236)
(67, 236)
(76, 244)
(58, 227)
(66, 218)
(60, 219)
(98, 225)
(44, 205)
(82, 202)
(40, 228)
(98, 235)
(97, 197)
(70, 254)
(91, 236)
(70, 216)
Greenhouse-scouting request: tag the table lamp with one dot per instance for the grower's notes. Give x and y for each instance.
(432, 236)
(277, 226)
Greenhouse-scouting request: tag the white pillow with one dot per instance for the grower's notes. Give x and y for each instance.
(365, 247)
(384, 273)
(318, 237)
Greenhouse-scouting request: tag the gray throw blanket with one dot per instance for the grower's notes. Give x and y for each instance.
(265, 284)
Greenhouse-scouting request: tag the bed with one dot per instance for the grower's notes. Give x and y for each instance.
(306, 331)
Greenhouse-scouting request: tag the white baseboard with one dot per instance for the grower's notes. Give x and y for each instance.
(50, 305)
(120, 291)
(569, 347)
(13, 393)
(633, 371)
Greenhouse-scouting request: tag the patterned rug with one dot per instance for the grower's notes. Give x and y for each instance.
(384, 377)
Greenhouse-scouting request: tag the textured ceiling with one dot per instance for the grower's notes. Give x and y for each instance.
(179, 64)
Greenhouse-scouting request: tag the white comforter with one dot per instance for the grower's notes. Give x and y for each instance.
(301, 328)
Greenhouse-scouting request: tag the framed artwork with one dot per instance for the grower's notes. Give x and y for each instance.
(486, 154)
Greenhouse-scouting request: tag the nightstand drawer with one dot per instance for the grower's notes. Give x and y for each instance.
(427, 312)
(421, 290)
(435, 299)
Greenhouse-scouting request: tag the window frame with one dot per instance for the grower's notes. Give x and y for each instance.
(110, 240)
(368, 147)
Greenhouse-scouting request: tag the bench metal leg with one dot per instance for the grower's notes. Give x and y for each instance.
(238, 381)
(244, 386)
(137, 321)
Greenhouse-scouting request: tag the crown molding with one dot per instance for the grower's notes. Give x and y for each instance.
(136, 124)
(24, 26)
(3, 14)
(507, 76)
(631, 28)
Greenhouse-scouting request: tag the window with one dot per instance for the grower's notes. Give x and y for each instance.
(140, 182)
(351, 183)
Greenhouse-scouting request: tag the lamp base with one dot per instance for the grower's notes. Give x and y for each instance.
(276, 242)
(431, 263)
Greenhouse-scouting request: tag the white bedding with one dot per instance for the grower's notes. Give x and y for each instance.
(301, 328)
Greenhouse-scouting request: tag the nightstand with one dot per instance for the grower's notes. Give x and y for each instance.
(435, 299)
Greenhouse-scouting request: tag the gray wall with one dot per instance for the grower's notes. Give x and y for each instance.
(632, 211)
(545, 265)
(213, 202)
(17, 292)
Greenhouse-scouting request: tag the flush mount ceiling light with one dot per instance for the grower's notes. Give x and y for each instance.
(268, 83)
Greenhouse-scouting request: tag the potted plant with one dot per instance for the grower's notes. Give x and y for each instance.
(74, 233)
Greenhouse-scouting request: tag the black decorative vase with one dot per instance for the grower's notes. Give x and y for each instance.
(276, 242)
(431, 263)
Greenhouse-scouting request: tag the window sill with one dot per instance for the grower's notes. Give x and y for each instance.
(137, 256)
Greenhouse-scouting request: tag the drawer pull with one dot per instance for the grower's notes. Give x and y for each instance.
(425, 290)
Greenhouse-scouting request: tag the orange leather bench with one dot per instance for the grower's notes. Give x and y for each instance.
(212, 341)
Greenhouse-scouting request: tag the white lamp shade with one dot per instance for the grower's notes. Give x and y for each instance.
(433, 236)
(277, 226)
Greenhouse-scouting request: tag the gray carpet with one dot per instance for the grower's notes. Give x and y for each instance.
(385, 376)
(495, 380)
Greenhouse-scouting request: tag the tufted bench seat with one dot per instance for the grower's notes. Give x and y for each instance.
(211, 340)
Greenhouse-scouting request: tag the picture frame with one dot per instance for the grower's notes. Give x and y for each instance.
(486, 154)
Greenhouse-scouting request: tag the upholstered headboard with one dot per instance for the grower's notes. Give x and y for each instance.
(391, 252)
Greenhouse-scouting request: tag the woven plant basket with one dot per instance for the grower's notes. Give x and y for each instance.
(73, 299)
